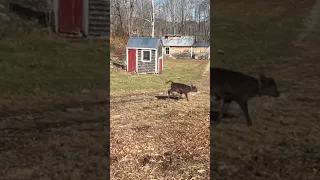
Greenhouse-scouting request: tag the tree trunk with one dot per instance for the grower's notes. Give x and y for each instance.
(152, 24)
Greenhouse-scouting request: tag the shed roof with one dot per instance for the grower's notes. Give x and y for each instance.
(201, 44)
(182, 41)
(143, 42)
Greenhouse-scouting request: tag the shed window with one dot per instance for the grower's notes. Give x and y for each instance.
(146, 55)
(167, 50)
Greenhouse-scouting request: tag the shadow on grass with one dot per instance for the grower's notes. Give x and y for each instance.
(166, 97)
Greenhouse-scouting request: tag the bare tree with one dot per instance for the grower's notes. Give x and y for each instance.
(131, 9)
(153, 13)
(157, 18)
(117, 16)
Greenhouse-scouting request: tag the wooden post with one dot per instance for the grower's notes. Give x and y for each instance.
(49, 10)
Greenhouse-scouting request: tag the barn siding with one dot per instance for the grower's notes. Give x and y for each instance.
(99, 13)
(177, 50)
(197, 50)
(174, 50)
(147, 67)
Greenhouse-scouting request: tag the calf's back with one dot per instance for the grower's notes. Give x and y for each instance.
(232, 85)
(181, 88)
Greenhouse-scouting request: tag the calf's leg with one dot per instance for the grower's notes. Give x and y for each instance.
(244, 107)
(227, 103)
(217, 96)
(169, 92)
(186, 94)
(223, 108)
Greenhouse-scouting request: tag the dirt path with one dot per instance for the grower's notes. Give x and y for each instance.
(284, 140)
(155, 138)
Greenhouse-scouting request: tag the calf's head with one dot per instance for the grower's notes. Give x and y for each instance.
(193, 88)
(268, 86)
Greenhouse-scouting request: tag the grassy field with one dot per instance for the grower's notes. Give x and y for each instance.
(41, 77)
(160, 138)
(41, 68)
(176, 70)
(260, 36)
(150, 135)
(254, 34)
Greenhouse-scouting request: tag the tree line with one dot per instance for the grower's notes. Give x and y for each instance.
(185, 17)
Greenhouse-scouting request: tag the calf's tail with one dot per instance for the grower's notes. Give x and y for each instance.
(169, 81)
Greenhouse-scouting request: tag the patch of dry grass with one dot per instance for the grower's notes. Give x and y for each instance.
(161, 139)
(38, 69)
(55, 145)
(41, 75)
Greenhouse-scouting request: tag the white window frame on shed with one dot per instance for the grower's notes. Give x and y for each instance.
(142, 50)
(165, 50)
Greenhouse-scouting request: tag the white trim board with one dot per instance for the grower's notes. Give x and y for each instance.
(162, 63)
(137, 61)
(156, 61)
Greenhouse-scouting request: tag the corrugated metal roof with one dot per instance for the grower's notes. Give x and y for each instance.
(182, 41)
(173, 35)
(143, 42)
(201, 44)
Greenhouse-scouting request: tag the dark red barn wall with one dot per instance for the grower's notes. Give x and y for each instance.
(71, 16)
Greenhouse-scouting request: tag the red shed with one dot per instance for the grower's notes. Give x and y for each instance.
(144, 55)
(88, 17)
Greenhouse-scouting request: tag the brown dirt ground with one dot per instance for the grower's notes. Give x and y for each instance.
(284, 141)
(153, 138)
(55, 145)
